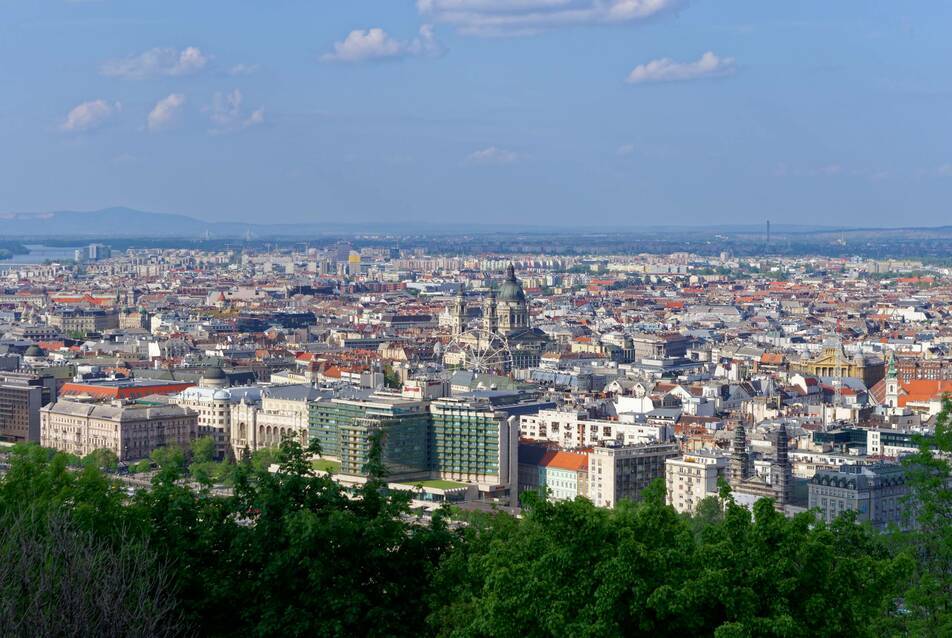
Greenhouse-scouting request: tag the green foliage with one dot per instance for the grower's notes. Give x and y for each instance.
(203, 449)
(140, 467)
(391, 379)
(170, 460)
(928, 600)
(264, 458)
(571, 569)
(103, 459)
(291, 553)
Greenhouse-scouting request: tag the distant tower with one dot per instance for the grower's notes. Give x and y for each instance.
(740, 461)
(767, 245)
(459, 310)
(892, 383)
(490, 319)
(781, 471)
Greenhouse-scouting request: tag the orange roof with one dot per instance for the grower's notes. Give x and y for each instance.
(565, 461)
(924, 390)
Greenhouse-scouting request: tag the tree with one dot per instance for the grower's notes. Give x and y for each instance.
(57, 579)
(928, 599)
(169, 459)
(391, 379)
(103, 459)
(571, 569)
(203, 449)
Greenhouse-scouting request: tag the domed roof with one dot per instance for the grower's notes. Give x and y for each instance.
(34, 351)
(221, 395)
(214, 374)
(511, 289)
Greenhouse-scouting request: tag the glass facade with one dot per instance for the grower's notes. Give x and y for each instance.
(464, 441)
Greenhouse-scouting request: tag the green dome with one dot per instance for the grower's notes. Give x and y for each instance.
(214, 374)
(511, 289)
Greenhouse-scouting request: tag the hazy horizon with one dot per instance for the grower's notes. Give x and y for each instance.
(615, 114)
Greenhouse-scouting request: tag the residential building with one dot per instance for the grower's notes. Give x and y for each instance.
(693, 477)
(617, 472)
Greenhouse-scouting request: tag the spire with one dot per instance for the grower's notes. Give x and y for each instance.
(784, 474)
(891, 372)
(739, 464)
(510, 272)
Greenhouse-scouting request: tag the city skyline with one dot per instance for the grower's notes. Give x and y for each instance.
(628, 113)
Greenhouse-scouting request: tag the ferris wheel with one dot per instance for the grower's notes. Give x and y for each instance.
(479, 350)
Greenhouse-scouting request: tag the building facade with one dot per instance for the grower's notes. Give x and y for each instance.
(877, 493)
(619, 472)
(132, 431)
(21, 397)
(693, 477)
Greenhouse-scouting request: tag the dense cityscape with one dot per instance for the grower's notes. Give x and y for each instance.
(487, 385)
(475, 319)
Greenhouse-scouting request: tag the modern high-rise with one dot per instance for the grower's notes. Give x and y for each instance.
(21, 397)
(345, 429)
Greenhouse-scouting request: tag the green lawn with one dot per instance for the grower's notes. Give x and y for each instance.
(440, 484)
(325, 466)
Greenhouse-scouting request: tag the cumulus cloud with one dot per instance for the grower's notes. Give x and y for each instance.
(667, 70)
(376, 44)
(166, 112)
(227, 114)
(89, 115)
(157, 62)
(521, 17)
(492, 155)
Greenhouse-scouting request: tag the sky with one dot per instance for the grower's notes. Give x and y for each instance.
(539, 112)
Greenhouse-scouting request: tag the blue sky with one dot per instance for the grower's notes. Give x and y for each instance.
(633, 112)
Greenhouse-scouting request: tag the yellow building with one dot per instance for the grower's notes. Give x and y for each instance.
(833, 362)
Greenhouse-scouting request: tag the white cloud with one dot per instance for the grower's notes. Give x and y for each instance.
(667, 70)
(89, 115)
(493, 155)
(521, 17)
(227, 114)
(376, 44)
(243, 69)
(157, 62)
(166, 112)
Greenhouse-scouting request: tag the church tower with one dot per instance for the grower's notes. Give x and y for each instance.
(490, 319)
(740, 461)
(892, 384)
(458, 311)
(782, 474)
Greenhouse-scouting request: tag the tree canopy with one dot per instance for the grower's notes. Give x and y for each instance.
(292, 553)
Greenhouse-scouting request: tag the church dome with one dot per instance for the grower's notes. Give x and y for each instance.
(214, 374)
(511, 289)
(34, 351)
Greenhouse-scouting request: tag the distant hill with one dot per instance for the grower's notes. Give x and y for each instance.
(129, 222)
(117, 222)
